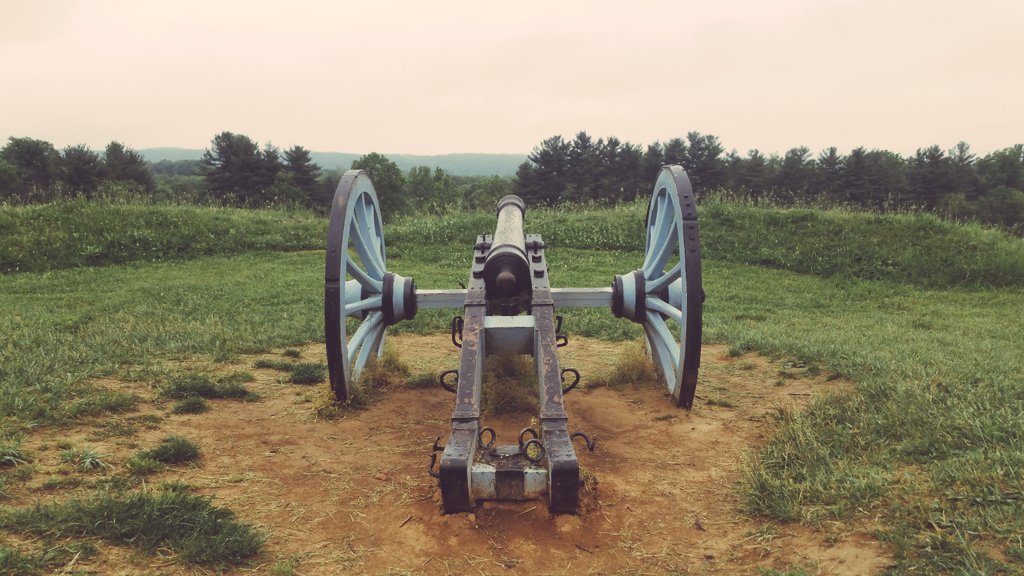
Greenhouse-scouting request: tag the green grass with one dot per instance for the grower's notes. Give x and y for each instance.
(191, 385)
(172, 450)
(76, 233)
(190, 525)
(379, 375)
(920, 249)
(298, 372)
(102, 402)
(509, 385)
(19, 562)
(190, 405)
(84, 459)
(307, 373)
(11, 453)
(634, 368)
(929, 445)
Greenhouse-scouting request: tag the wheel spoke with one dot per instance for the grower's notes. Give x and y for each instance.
(374, 229)
(661, 357)
(365, 329)
(367, 244)
(656, 285)
(656, 304)
(654, 231)
(364, 247)
(371, 346)
(372, 302)
(661, 329)
(661, 251)
(364, 279)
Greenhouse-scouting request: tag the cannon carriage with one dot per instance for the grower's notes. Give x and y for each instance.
(508, 306)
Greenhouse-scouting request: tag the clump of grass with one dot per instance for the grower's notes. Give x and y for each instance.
(307, 373)
(509, 385)
(11, 453)
(298, 372)
(421, 380)
(190, 405)
(634, 368)
(378, 375)
(84, 459)
(59, 483)
(271, 364)
(285, 567)
(172, 450)
(102, 402)
(140, 465)
(291, 353)
(17, 562)
(325, 405)
(718, 401)
(197, 531)
(203, 386)
(237, 377)
(588, 480)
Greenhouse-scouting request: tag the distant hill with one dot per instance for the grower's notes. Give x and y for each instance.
(458, 164)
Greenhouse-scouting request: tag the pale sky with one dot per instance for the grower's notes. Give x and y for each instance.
(447, 76)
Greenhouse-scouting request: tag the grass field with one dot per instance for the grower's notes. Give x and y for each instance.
(925, 316)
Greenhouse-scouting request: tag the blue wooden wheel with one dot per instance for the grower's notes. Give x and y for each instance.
(361, 298)
(665, 295)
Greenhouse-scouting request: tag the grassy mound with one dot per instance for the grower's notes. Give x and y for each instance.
(79, 233)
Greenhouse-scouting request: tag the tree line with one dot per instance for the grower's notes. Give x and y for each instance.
(952, 182)
(237, 171)
(234, 171)
(34, 171)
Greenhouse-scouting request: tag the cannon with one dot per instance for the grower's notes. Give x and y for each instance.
(508, 306)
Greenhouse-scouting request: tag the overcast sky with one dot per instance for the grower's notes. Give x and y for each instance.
(446, 76)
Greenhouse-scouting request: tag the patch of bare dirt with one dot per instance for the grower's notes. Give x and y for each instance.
(352, 495)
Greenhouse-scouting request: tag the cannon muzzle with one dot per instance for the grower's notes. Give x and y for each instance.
(507, 269)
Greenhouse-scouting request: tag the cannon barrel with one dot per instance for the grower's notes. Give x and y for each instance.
(507, 270)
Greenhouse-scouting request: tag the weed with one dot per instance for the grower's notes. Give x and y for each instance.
(20, 473)
(102, 402)
(60, 483)
(307, 373)
(11, 453)
(190, 525)
(267, 363)
(325, 405)
(633, 368)
(509, 385)
(201, 385)
(284, 567)
(421, 380)
(190, 405)
(15, 562)
(717, 401)
(115, 428)
(238, 377)
(379, 374)
(172, 450)
(141, 465)
(84, 459)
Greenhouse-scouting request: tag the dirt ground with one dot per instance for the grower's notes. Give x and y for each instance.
(352, 495)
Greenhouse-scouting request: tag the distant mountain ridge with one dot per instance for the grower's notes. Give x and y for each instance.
(457, 164)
